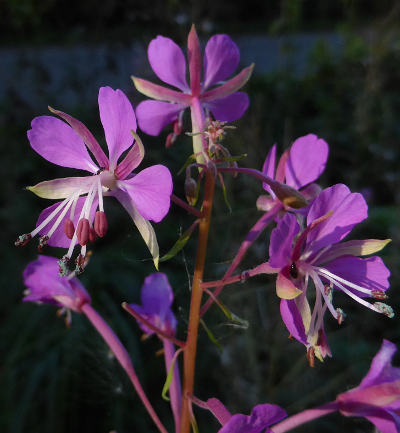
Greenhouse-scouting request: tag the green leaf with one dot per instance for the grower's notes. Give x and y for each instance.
(189, 161)
(168, 380)
(210, 335)
(180, 243)
(235, 158)
(232, 316)
(221, 179)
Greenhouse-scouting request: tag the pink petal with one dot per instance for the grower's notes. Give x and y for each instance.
(369, 273)
(307, 160)
(269, 168)
(293, 320)
(230, 108)
(348, 209)
(194, 57)
(59, 238)
(281, 241)
(168, 62)
(153, 116)
(118, 119)
(62, 188)
(151, 190)
(59, 143)
(221, 58)
(133, 158)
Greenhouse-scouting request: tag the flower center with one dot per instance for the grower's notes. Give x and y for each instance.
(108, 179)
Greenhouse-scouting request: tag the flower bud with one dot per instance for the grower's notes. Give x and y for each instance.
(191, 191)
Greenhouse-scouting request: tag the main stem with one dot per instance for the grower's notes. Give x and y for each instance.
(195, 304)
(123, 358)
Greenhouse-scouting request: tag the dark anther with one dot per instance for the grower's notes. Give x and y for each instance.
(23, 240)
(293, 270)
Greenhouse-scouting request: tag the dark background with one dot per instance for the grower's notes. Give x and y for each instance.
(336, 75)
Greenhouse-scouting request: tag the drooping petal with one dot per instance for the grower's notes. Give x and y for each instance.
(151, 190)
(348, 209)
(269, 168)
(118, 120)
(221, 58)
(57, 142)
(160, 93)
(281, 241)
(307, 160)
(168, 62)
(145, 228)
(293, 320)
(370, 273)
(153, 116)
(59, 238)
(62, 188)
(230, 108)
(86, 136)
(231, 86)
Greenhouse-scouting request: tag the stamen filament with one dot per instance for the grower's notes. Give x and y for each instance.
(49, 218)
(326, 273)
(100, 194)
(72, 214)
(60, 217)
(320, 286)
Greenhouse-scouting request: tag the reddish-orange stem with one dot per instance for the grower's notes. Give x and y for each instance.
(195, 304)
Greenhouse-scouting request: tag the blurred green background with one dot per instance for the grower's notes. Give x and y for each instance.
(331, 68)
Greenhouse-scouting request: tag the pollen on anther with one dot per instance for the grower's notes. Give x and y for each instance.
(379, 294)
(311, 356)
(23, 240)
(42, 243)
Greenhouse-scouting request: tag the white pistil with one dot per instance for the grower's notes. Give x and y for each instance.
(72, 214)
(49, 218)
(330, 276)
(317, 308)
(100, 194)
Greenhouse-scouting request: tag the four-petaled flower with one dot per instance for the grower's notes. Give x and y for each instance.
(377, 398)
(298, 167)
(157, 297)
(44, 285)
(204, 95)
(146, 195)
(315, 253)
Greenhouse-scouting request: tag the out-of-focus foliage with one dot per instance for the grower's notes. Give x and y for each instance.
(62, 380)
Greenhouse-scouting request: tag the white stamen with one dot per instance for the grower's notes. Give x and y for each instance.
(49, 218)
(72, 214)
(100, 194)
(60, 217)
(320, 286)
(328, 274)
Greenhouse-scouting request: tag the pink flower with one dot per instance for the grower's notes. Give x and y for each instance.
(80, 217)
(204, 95)
(377, 398)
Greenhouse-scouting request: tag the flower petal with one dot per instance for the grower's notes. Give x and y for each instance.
(57, 142)
(144, 227)
(230, 108)
(307, 160)
(293, 320)
(151, 190)
(118, 119)
(269, 168)
(59, 238)
(132, 160)
(348, 209)
(168, 62)
(281, 241)
(153, 116)
(221, 58)
(194, 57)
(385, 421)
(62, 188)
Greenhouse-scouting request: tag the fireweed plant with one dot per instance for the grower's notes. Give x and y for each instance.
(308, 255)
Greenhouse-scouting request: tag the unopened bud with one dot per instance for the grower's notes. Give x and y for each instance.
(191, 191)
(42, 243)
(23, 240)
(82, 231)
(69, 228)
(100, 223)
(379, 294)
(169, 141)
(385, 309)
(311, 357)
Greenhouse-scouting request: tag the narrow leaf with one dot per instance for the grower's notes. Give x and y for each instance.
(210, 335)
(189, 161)
(180, 243)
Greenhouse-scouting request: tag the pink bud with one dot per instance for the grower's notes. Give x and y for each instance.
(100, 223)
(69, 228)
(82, 231)
(170, 140)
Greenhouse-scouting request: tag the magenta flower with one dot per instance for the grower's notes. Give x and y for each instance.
(316, 253)
(46, 286)
(261, 418)
(80, 217)
(298, 167)
(157, 298)
(204, 95)
(377, 398)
